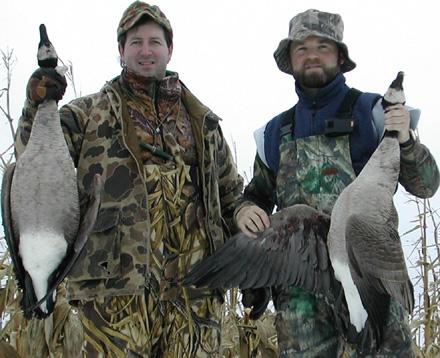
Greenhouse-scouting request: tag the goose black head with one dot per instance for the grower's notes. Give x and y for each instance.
(46, 55)
(395, 93)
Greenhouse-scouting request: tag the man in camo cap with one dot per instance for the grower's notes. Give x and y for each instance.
(308, 155)
(138, 10)
(170, 190)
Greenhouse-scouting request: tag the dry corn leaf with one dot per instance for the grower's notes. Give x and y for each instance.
(36, 338)
(230, 334)
(73, 329)
(267, 335)
(7, 351)
(3, 298)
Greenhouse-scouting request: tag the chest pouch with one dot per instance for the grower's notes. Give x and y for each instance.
(344, 123)
(339, 126)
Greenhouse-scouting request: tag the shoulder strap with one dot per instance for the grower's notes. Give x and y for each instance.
(287, 122)
(347, 105)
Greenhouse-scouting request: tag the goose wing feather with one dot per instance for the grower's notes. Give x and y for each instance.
(385, 260)
(11, 236)
(378, 268)
(292, 251)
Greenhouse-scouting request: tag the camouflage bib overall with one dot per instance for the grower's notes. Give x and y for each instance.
(314, 171)
(186, 321)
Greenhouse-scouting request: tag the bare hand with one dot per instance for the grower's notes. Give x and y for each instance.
(251, 220)
(397, 119)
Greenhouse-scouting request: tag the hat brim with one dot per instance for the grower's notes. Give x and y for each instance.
(282, 56)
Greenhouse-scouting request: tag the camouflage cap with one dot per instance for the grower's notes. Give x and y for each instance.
(136, 11)
(313, 23)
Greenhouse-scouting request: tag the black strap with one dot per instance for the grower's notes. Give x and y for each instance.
(287, 123)
(346, 108)
(345, 111)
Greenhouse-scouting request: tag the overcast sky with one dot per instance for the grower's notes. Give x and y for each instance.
(223, 51)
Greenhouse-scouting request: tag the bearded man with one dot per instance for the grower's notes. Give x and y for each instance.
(308, 155)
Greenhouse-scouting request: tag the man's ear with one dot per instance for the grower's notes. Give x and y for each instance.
(121, 50)
(341, 58)
(170, 52)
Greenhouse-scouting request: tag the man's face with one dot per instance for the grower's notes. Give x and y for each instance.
(145, 51)
(315, 61)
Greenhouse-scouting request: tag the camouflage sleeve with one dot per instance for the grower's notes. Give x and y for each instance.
(419, 173)
(70, 124)
(230, 183)
(24, 128)
(261, 190)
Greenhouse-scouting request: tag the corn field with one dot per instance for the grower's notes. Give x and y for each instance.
(61, 334)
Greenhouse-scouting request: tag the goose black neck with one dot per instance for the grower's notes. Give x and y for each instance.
(390, 134)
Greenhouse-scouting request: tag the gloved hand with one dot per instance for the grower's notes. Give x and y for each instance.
(257, 299)
(45, 84)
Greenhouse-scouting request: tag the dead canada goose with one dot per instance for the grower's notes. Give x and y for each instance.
(364, 246)
(358, 267)
(40, 206)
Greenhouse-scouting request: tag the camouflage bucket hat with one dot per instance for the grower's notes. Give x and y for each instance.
(136, 11)
(313, 23)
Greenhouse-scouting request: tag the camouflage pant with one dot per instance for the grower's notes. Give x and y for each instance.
(142, 326)
(305, 329)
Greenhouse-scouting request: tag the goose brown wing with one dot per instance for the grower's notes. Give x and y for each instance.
(11, 235)
(292, 251)
(377, 264)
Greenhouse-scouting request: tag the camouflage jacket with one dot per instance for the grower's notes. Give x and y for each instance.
(103, 140)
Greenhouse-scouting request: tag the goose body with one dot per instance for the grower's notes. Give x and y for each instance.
(40, 206)
(44, 195)
(44, 199)
(363, 242)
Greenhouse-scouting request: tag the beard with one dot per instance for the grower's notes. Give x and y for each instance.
(316, 79)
